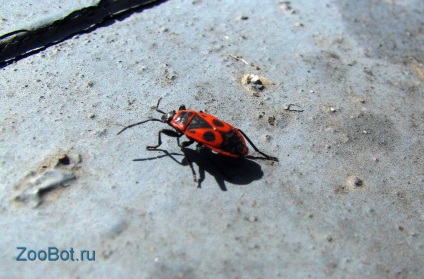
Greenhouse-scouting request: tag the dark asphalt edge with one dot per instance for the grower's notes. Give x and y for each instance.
(22, 43)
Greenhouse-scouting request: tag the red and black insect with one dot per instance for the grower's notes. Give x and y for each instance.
(205, 129)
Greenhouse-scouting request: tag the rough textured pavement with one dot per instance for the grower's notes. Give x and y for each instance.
(345, 200)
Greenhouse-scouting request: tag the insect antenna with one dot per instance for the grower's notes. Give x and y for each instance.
(139, 123)
(157, 107)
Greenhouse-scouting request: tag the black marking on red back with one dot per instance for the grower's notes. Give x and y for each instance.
(232, 143)
(183, 117)
(198, 122)
(208, 136)
(218, 123)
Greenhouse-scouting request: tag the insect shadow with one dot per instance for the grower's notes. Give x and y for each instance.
(223, 168)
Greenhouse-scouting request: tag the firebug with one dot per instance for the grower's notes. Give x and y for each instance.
(205, 129)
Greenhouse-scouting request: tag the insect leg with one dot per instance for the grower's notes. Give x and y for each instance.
(183, 145)
(169, 133)
(256, 149)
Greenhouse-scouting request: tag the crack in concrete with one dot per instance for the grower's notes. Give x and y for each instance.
(21, 43)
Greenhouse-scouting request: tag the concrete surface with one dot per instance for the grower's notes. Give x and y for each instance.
(27, 27)
(345, 200)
